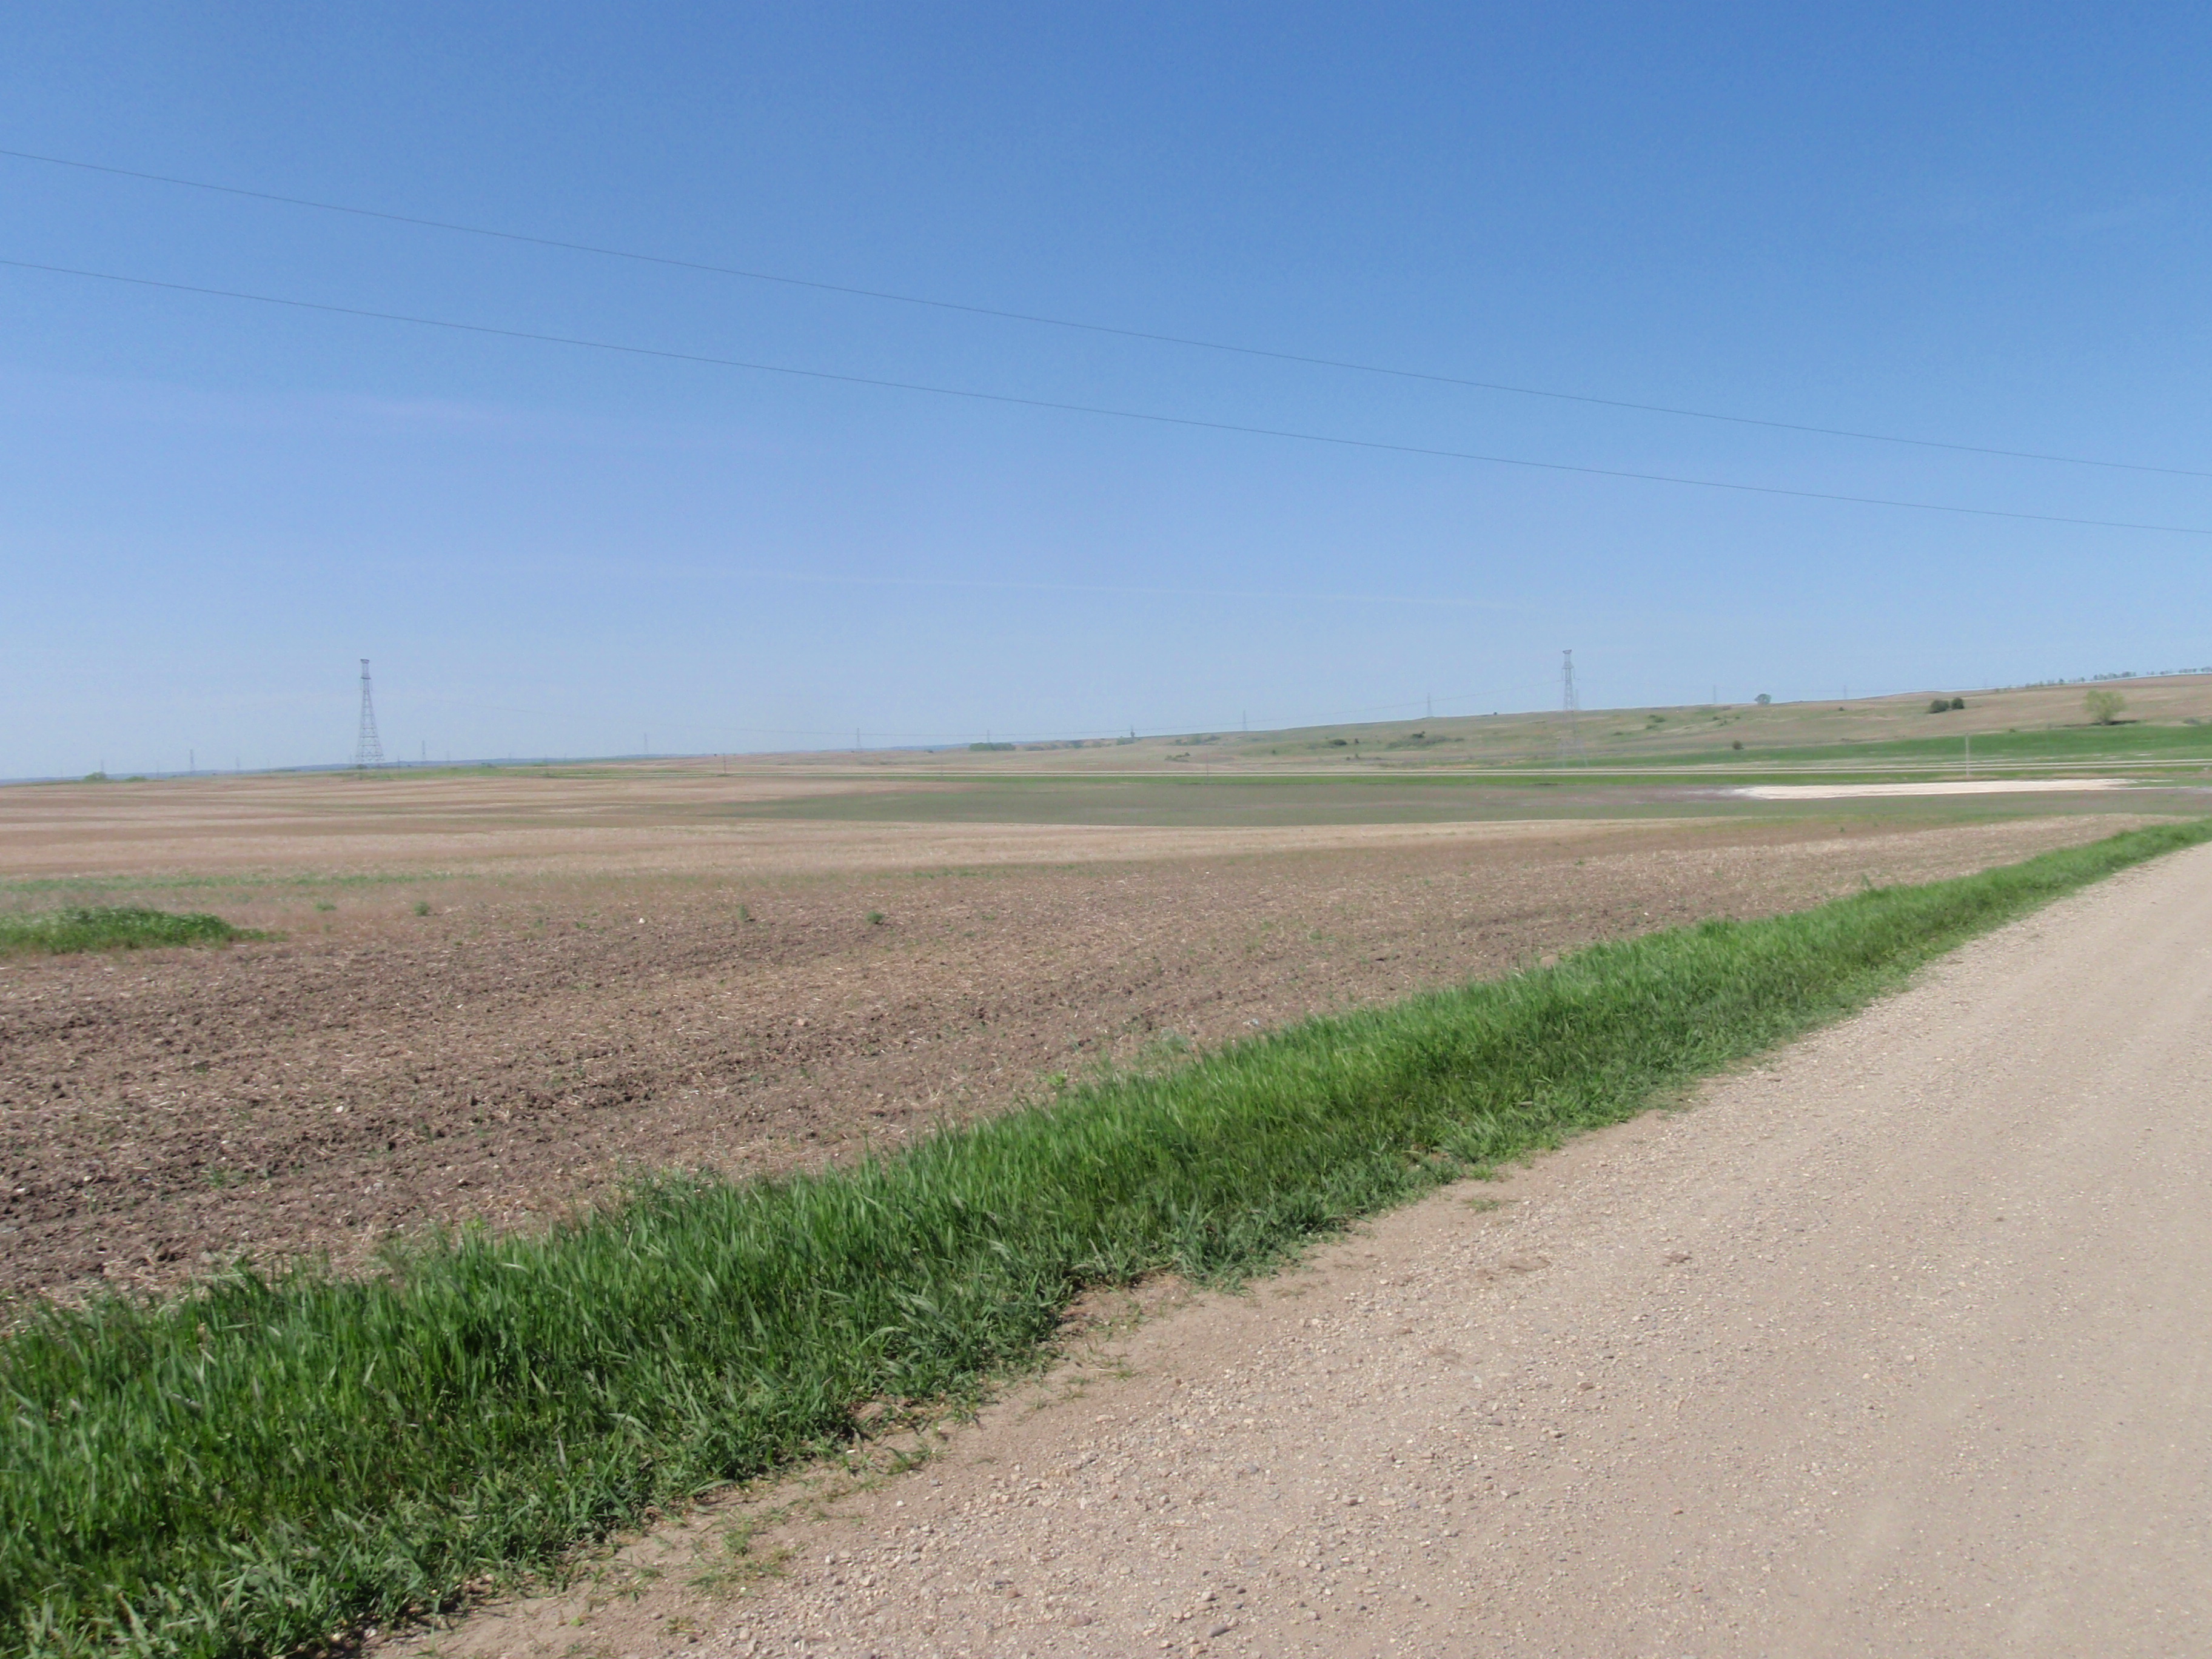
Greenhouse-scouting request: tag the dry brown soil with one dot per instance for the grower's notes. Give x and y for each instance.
(621, 989)
(1897, 1343)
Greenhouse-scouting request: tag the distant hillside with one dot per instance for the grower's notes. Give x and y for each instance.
(2168, 717)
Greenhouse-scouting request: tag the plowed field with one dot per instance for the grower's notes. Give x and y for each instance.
(572, 1013)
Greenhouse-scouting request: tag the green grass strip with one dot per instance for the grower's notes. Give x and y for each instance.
(110, 928)
(256, 1466)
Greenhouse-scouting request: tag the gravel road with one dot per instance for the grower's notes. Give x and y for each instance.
(1899, 1343)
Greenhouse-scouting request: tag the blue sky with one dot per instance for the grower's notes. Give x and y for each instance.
(1984, 226)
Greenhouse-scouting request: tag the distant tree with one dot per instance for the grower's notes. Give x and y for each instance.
(2104, 706)
(1940, 706)
(1957, 703)
(1763, 699)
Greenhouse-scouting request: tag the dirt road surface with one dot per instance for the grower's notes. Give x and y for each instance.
(1898, 1344)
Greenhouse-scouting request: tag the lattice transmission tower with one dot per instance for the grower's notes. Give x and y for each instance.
(1571, 731)
(368, 748)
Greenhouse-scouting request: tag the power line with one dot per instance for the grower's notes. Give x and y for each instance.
(1191, 421)
(1089, 734)
(1085, 734)
(994, 585)
(1044, 321)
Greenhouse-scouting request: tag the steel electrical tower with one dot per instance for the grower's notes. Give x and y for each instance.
(1571, 734)
(368, 748)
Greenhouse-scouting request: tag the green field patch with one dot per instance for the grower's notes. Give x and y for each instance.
(1251, 803)
(1609, 792)
(260, 1463)
(2117, 744)
(111, 927)
(1161, 803)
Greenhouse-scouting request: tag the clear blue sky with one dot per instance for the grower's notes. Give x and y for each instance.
(1980, 225)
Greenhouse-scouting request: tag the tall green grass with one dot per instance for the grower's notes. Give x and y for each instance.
(261, 1464)
(110, 928)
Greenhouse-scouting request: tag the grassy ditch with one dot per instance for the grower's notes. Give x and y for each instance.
(110, 928)
(259, 1465)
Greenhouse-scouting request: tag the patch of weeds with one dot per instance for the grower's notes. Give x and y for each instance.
(875, 918)
(325, 905)
(620, 1580)
(421, 907)
(112, 928)
(734, 1566)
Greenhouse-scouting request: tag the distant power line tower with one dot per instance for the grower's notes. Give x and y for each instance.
(368, 748)
(1570, 733)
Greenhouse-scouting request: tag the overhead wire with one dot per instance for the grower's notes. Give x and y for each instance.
(1041, 319)
(1151, 733)
(1088, 735)
(1184, 420)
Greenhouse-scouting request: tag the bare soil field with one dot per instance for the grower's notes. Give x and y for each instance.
(606, 983)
